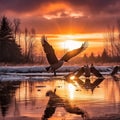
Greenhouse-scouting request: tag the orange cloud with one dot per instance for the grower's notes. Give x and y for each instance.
(63, 16)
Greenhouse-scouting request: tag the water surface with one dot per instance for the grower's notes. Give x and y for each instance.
(58, 99)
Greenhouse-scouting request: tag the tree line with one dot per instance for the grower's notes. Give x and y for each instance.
(13, 47)
(9, 50)
(104, 57)
(17, 46)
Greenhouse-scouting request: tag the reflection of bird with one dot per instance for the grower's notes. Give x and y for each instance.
(115, 70)
(52, 59)
(95, 71)
(87, 71)
(79, 72)
(88, 85)
(115, 78)
(57, 101)
(96, 83)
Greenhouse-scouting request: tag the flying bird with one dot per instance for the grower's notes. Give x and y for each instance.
(52, 58)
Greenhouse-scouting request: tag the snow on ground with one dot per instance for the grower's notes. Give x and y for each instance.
(39, 72)
(22, 69)
(31, 76)
(12, 77)
(40, 69)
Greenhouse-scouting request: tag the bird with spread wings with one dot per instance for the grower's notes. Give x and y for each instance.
(52, 58)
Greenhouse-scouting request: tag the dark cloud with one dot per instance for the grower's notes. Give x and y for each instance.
(96, 14)
(69, 25)
(29, 5)
(94, 6)
(85, 6)
(23, 5)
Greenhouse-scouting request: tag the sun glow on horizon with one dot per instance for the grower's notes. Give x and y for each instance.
(71, 44)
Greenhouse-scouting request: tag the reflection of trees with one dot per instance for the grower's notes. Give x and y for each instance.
(7, 90)
(112, 88)
(56, 101)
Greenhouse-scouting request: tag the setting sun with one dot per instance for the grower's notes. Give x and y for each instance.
(71, 44)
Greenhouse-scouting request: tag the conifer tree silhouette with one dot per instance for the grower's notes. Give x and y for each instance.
(9, 50)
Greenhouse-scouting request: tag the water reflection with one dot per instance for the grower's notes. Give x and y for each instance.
(116, 78)
(87, 84)
(7, 92)
(57, 101)
(27, 98)
(71, 89)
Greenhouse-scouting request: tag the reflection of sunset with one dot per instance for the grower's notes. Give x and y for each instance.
(71, 90)
(72, 77)
(31, 99)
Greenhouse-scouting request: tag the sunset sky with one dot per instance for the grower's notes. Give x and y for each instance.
(87, 18)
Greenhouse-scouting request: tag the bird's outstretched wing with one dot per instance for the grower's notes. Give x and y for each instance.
(48, 49)
(74, 52)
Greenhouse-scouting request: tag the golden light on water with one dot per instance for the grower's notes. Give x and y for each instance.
(71, 90)
(72, 77)
(31, 99)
